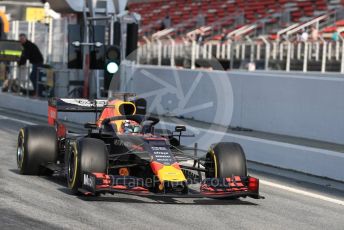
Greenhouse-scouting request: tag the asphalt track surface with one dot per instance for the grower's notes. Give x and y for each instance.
(30, 202)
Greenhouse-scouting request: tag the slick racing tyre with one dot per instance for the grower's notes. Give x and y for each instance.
(37, 146)
(85, 155)
(225, 159)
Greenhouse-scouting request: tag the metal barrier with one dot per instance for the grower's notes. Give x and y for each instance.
(45, 82)
(242, 46)
(50, 38)
(16, 79)
(49, 81)
(57, 82)
(322, 55)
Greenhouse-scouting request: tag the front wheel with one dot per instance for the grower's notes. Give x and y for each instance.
(85, 155)
(225, 159)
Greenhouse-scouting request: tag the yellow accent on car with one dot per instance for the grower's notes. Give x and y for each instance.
(170, 173)
(119, 105)
(215, 163)
(71, 184)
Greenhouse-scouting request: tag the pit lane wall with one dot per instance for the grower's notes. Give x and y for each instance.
(301, 105)
(319, 109)
(295, 104)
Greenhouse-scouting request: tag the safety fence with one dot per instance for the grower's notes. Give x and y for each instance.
(51, 38)
(322, 55)
(48, 81)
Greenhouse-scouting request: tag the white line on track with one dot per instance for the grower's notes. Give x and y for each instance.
(264, 182)
(290, 189)
(17, 120)
(302, 192)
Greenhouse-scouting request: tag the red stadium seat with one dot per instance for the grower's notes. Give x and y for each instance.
(217, 10)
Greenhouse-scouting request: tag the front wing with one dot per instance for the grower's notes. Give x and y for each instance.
(98, 183)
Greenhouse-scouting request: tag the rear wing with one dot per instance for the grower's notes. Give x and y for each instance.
(56, 105)
(77, 105)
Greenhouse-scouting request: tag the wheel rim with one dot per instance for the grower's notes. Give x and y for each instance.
(20, 150)
(211, 166)
(72, 167)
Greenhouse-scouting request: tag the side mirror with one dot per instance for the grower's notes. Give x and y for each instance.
(180, 128)
(90, 125)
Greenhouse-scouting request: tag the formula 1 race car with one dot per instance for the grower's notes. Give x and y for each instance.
(123, 152)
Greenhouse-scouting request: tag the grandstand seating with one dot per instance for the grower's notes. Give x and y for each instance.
(245, 21)
(338, 26)
(183, 11)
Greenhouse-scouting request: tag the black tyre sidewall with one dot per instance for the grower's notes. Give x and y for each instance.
(230, 159)
(91, 157)
(40, 148)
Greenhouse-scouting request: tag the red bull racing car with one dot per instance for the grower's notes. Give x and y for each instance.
(124, 152)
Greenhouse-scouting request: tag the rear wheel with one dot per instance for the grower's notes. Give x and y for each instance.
(85, 155)
(226, 159)
(37, 146)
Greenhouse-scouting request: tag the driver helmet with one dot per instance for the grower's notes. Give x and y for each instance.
(130, 127)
